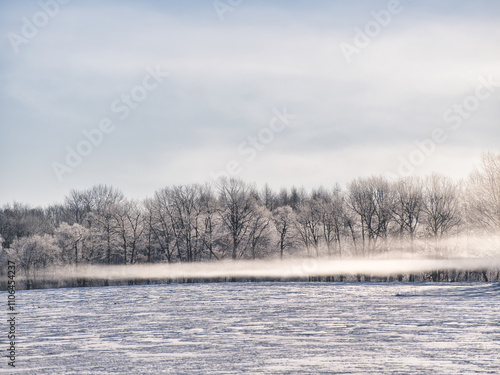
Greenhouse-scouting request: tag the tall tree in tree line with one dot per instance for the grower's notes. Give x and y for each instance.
(371, 198)
(408, 206)
(259, 235)
(484, 193)
(236, 206)
(332, 216)
(308, 225)
(283, 219)
(441, 205)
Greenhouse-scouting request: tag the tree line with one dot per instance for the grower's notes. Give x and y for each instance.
(232, 219)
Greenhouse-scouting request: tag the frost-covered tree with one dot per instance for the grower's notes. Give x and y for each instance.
(96, 209)
(33, 254)
(71, 240)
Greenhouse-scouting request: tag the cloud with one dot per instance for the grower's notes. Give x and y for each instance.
(225, 80)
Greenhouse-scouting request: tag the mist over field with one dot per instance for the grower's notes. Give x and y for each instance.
(279, 269)
(458, 254)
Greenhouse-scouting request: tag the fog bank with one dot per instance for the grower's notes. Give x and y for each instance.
(290, 268)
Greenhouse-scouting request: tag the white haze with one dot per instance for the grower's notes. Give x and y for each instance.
(290, 268)
(462, 252)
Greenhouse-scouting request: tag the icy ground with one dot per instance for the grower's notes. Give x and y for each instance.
(255, 328)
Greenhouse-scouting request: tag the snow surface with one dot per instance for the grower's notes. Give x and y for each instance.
(255, 328)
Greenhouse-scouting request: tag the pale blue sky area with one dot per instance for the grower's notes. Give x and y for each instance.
(231, 67)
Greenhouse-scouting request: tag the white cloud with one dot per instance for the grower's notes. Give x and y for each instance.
(226, 78)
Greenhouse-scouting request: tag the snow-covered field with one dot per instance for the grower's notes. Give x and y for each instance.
(254, 328)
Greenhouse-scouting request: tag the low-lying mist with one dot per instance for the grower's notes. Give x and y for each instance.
(458, 258)
(289, 268)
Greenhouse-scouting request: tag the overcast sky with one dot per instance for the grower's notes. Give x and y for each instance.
(355, 104)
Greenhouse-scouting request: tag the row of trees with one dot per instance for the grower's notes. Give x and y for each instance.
(233, 219)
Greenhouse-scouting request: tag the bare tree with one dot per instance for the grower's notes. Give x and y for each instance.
(185, 213)
(129, 220)
(484, 193)
(441, 205)
(259, 234)
(236, 206)
(20, 220)
(371, 198)
(408, 206)
(269, 198)
(332, 213)
(210, 221)
(308, 225)
(159, 227)
(135, 223)
(77, 205)
(283, 219)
